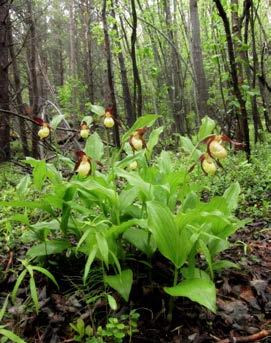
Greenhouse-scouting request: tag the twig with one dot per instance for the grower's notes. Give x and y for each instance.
(245, 339)
(9, 261)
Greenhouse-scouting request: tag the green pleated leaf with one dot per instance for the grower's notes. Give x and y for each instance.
(153, 140)
(201, 291)
(99, 110)
(147, 120)
(48, 248)
(102, 246)
(206, 128)
(188, 147)
(23, 186)
(171, 242)
(56, 121)
(94, 147)
(231, 195)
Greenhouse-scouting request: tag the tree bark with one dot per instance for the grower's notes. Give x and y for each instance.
(137, 81)
(242, 116)
(110, 73)
(18, 94)
(72, 61)
(196, 50)
(176, 82)
(34, 89)
(4, 95)
(258, 127)
(128, 105)
(87, 48)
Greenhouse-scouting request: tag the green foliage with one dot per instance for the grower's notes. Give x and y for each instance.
(4, 332)
(201, 291)
(155, 207)
(115, 330)
(32, 285)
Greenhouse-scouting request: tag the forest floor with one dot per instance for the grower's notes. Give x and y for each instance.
(243, 300)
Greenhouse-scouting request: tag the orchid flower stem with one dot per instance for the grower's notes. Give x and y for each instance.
(171, 300)
(107, 144)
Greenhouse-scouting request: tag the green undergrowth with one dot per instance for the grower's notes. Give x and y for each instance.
(98, 228)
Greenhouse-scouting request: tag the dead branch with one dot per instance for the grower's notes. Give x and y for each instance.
(245, 339)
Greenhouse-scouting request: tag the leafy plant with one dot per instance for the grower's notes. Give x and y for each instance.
(32, 284)
(115, 330)
(6, 333)
(157, 206)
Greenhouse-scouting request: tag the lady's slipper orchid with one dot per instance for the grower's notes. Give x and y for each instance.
(44, 132)
(215, 148)
(109, 121)
(83, 164)
(137, 141)
(207, 164)
(133, 165)
(84, 132)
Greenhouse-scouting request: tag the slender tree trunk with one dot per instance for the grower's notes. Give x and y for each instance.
(4, 95)
(32, 62)
(72, 62)
(18, 94)
(110, 73)
(265, 93)
(87, 48)
(196, 50)
(243, 116)
(176, 85)
(137, 81)
(258, 127)
(130, 115)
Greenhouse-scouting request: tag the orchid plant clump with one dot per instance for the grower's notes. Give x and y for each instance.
(140, 200)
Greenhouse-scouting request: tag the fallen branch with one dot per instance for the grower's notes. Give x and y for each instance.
(245, 339)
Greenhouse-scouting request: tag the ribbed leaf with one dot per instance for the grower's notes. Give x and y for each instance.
(94, 147)
(206, 128)
(201, 291)
(153, 140)
(48, 248)
(147, 120)
(231, 195)
(56, 120)
(166, 234)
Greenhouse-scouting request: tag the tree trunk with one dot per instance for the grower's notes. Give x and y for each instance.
(110, 73)
(258, 127)
(130, 115)
(87, 47)
(137, 81)
(4, 95)
(18, 94)
(196, 50)
(243, 116)
(72, 61)
(32, 62)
